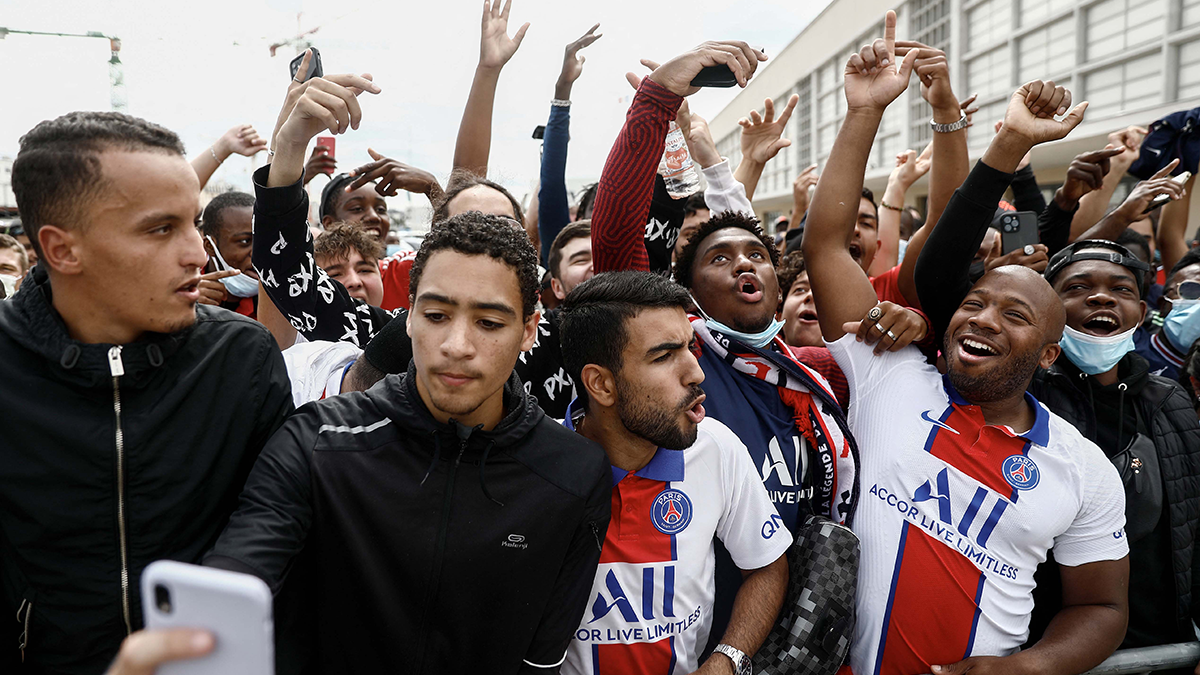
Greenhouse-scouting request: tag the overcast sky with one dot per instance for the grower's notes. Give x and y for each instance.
(200, 67)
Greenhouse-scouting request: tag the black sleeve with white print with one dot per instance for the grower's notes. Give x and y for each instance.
(319, 308)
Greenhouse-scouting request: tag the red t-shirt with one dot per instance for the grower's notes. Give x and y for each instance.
(887, 287)
(394, 271)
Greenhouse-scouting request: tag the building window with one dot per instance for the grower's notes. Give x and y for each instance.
(929, 23)
(1047, 52)
(988, 23)
(1189, 70)
(1189, 13)
(983, 126)
(1133, 84)
(1033, 12)
(802, 118)
(1116, 25)
(988, 74)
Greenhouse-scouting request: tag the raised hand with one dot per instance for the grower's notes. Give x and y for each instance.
(910, 166)
(873, 78)
(1131, 139)
(319, 162)
(242, 139)
(683, 118)
(1144, 192)
(969, 108)
(325, 103)
(1034, 256)
(800, 190)
(572, 66)
(676, 75)
(933, 71)
(1086, 173)
(393, 176)
(495, 47)
(761, 134)
(700, 142)
(212, 291)
(1031, 112)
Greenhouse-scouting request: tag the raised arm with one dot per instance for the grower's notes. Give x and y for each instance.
(762, 139)
(949, 165)
(1084, 175)
(242, 139)
(942, 272)
(800, 195)
(553, 213)
(840, 288)
(909, 169)
(1172, 227)
(1093, 205)
(495, 49)
(627, 183)
(316, 306)
(1112, 225)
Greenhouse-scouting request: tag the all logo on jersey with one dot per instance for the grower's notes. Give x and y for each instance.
(671, 511)
(1021, 472)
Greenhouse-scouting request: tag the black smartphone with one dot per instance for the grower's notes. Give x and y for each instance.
(714, 76)
(314, 66)
(1018, 229)
(539, 132)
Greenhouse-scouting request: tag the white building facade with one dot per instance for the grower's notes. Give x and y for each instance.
(1134, 60)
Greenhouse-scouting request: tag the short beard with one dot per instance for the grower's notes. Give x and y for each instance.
(999, 383)
(654, 423)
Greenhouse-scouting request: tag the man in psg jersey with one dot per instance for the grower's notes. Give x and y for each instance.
(680, 482)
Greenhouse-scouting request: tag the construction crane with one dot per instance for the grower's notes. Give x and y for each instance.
(116, 72)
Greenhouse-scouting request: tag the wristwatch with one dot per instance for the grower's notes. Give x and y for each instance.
(741, 662)
(949, 128)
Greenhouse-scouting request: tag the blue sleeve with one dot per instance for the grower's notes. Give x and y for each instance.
(553, 212)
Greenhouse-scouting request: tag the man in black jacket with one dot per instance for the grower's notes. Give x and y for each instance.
(1103, 388)
(131, 416)
(451, 525)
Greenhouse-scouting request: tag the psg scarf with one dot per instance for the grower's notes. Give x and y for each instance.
(814, 409)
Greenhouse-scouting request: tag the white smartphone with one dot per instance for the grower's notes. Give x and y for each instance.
(235, 608)
(1163, 199)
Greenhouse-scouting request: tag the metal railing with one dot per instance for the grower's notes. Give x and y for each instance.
(1147, 659)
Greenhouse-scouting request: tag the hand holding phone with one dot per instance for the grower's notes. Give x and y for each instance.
(1018, 229)
(1161, 199)
(234, 608)
(314, 66)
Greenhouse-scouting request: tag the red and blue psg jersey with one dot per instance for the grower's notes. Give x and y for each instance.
(650, 608)
(956, 514)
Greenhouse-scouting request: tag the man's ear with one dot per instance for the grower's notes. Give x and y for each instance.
(531, 328)
(408, 317)
(1144, 307)
(557, 287)
(326, 220)
(60, 249)
(600, 384)
(208, 249)
(1050, 353)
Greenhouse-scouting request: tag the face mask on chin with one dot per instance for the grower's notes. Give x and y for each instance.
(238, 285)
(1092, 354)
(760, 339)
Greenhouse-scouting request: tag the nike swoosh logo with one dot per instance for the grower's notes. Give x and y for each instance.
(1156, 151)
(925, 416)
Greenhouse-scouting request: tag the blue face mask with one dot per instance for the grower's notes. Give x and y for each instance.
(1182, 325)
(760, 339)
(393, 249)
(1094, 355)
(238, 285)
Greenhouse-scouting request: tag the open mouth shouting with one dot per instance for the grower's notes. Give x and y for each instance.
(856, 252)
(695, 413)
(1102, 323)
(749, 287)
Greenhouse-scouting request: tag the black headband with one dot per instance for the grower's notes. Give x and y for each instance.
(1086, 250)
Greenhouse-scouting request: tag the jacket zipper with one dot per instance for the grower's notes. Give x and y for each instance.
(117, 368)
(440, 550)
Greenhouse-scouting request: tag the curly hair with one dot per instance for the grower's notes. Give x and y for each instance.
(475, 233)
(213, 217)
(721, 221)
(461, 181)
(339, 238)
(788, 269)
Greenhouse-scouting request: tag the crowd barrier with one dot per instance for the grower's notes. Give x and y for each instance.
(1147, 659)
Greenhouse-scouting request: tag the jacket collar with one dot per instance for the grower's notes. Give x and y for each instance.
(31, 320)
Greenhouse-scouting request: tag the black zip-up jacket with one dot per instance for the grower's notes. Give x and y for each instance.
(100, 475)
(434, 548)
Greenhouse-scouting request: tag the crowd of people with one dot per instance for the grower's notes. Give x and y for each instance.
(586, 434)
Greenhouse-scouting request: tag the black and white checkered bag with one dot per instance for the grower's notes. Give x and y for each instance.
(812, 636)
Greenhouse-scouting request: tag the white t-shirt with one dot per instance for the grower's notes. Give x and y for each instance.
(316, 368)
(955, 515)
(650, 608)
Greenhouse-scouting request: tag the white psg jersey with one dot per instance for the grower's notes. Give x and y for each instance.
(650, 608)
(955, 515)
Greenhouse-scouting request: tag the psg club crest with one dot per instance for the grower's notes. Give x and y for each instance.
(671, 512)
(1021, 472)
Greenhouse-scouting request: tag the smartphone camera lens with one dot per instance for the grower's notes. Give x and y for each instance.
(162, 598)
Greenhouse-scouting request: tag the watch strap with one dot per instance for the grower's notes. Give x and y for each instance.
(950, 128)
(741, 662)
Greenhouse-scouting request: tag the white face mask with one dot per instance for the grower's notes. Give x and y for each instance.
(10, 285)
(238, 285)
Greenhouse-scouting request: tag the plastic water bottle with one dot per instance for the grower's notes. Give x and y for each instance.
(676, 165)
